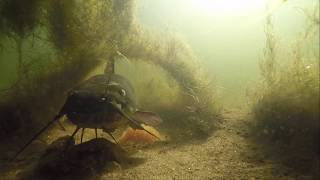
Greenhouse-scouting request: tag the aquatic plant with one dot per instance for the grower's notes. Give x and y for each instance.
(18, 17)
(18, 20)
(285, 103)
(80, 35)
(197, 97)
(72, 34)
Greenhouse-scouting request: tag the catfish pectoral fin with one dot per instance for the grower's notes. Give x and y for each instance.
(139, 126)
(135, 124)
(147, 117)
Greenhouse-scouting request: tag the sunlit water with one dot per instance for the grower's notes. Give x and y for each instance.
(227, 36)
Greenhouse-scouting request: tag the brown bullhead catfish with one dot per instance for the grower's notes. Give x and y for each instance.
(103, 102)
(106, 102)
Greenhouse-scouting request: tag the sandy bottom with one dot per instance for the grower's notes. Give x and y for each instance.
(230, 153)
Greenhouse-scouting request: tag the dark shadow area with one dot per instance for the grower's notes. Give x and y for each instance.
(294, 154)
(181, 127)
(64, 160)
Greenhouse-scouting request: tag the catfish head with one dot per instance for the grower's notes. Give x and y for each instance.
(102, 100)
(120, 94)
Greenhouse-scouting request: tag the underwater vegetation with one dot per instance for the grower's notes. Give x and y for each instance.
(195, 91)
(285, 103)
(19, 18)
(56, 44)
(93, 65)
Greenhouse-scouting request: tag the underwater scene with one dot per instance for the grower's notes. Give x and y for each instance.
(159, 89)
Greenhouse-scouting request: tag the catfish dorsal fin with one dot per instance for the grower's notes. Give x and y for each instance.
(110, 66)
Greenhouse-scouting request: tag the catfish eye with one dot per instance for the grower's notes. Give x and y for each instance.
(122, 92)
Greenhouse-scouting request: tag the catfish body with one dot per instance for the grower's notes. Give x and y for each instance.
(105, 102)
(102, 102)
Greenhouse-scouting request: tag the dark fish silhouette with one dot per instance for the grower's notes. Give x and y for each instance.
(102, 102)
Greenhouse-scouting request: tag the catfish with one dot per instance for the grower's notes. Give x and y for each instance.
(105, 101)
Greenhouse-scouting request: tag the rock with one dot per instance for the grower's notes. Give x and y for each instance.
(63, 159)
